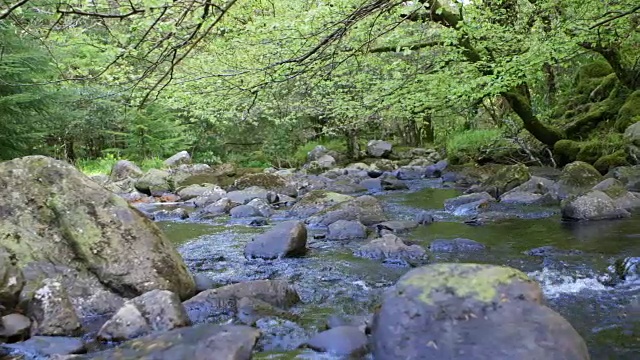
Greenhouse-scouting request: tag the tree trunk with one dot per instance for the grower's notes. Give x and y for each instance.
(521, 106)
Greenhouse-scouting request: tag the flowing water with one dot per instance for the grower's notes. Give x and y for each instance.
(331, 281)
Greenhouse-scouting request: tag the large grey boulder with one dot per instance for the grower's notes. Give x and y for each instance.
(53, 214)
(379, 148)
(157, 310)
(461, 311)
(180, 158)
(595, 205)
(125, 169)
(577, 178)
(154, 182)
(47, 347)
(287, 239)
(317, 153)
(366, 209)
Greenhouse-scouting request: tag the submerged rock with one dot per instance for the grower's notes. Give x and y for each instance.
(626, 270)
(456, 245)
(341, 341)
(46, 346)
(397, 226)
(391, 248)
(454, 204)
(287, 239)
(492, 312)
(424, 218)
(346, 230)
(205, 341)
(83, 226)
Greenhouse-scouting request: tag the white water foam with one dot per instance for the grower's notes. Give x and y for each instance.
(555, 284)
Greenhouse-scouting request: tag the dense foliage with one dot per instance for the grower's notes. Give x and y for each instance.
(256, 81)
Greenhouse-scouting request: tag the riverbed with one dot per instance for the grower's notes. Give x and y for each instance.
(333, 282)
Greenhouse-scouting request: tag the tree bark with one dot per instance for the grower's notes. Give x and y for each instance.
(521, 106)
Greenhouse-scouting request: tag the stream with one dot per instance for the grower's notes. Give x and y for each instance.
(332, 282)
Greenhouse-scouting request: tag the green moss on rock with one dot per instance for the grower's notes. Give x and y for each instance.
(580, 175)
(263, 180)
(479, 282)
(629, 113)
(323, 197)
(566, 151)
(610, 161)
(590, 76)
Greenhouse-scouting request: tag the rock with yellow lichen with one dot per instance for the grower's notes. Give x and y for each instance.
(463, 311)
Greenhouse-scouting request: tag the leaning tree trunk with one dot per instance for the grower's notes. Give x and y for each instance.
(522, 106)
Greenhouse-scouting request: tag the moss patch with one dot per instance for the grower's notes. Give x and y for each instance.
(580, 174)
(608, 162)
(629, 113)
(323, 197)
(479, 282)
(266, 181)
(566, 151)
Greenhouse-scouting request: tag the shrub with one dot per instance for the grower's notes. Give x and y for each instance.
(470, 145)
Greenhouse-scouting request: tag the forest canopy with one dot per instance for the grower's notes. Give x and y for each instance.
(257, 81)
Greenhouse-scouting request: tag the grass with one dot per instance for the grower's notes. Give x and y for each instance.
(102, 166)
(466, 146)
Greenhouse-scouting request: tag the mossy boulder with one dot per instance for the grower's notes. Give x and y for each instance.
(610, 161)
(317, 200)
(492, 312)
(632, 133)
(576, 178)
(505, 179)
(154, 182)
(591, 75)
(566, 151)
(272, 182)
(366, 209)
(54, 214)
(628, 175)
(629, 113)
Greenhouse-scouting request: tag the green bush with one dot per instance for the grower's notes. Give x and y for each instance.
(103, 165)
(299, 158)
(470, 145)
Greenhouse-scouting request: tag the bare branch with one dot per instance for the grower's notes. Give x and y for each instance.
(608, 20)
(12, 8)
